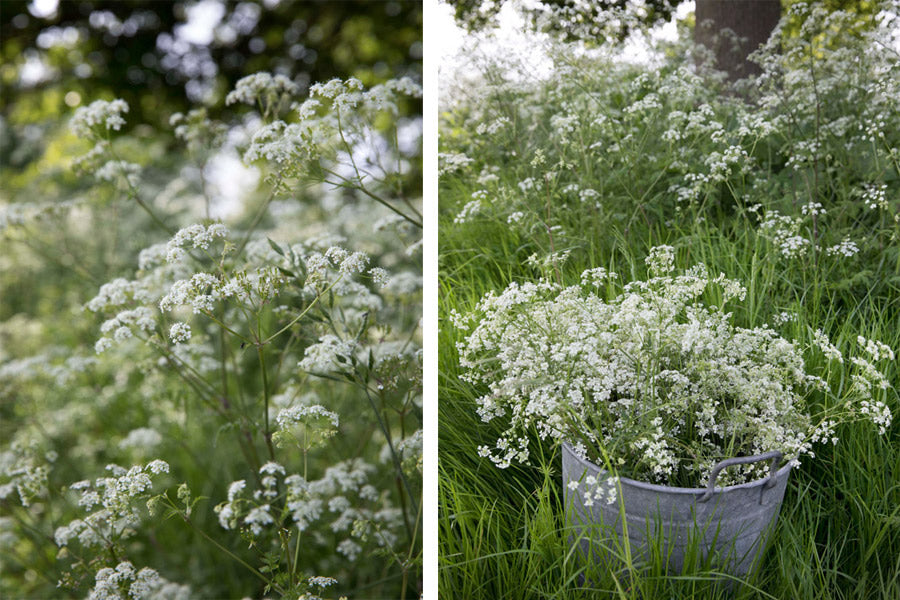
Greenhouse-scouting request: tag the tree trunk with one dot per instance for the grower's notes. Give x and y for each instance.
(751, 20)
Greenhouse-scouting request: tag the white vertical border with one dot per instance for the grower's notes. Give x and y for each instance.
(430, 59)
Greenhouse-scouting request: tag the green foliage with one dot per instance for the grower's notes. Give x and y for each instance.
(570, 18)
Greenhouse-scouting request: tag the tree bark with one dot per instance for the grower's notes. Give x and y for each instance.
(751, 20)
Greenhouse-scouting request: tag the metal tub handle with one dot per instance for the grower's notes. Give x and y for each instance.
(775, 456)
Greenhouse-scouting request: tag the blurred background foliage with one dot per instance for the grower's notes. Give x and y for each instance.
(480, 14)
(161, 57)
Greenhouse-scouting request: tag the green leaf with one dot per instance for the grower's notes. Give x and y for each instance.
(275, 247)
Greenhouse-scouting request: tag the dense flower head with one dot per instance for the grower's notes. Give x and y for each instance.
(337, 119)
(252, 88)
(87, 120)
(123, 325)
(330, 353)
(298, 414)
(196, 236)
(307, 426)
(110, 503)
(116, 293)
(281, 142)
(180, 333)
(651, 376)
(342, 499)
(124, 582)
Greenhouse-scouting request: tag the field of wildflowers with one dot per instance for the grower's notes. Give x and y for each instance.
(210, 401)
(723, 256)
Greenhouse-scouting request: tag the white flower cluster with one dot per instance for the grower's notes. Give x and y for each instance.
(846, 248)
(597, 276)
(91, 161)
(875, 349)
(450, 162)
(514, 217)
(303, 414)
(306, 425)
(594, 490)
(117, 293)
(126, 583)
(281, 142)
(875, 196)
(830, 351)
(121, 327)
(355, 509)
(784, 231)
(493, 127)
(348, 263)
(114, 170)
(489, 175)
(252, 88)
(351, 94)
(202, 290)
(180, 333)
(784, 317)
(45, 365)
(195, 235)
(197, 129)
(812, 209)
(337, 112)
(22, 471)
(322, 582)
(166, 282)
(87, 119)
(116, 514)
(652, 376)
(472, 208)
(548, 261)
(329, 354)
(409, 450)
(23, 213)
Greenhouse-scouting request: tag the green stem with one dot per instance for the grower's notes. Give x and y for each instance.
(296, 553)
(228, 552)
(224, 326)
(359, 186)
(396, 459)
(301, 315)
(265, 377)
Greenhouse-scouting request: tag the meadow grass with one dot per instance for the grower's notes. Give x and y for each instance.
(502, 532)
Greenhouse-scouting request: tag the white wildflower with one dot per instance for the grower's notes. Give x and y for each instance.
(846, 248)
(87, 119)
(251, 88)
(180, 333)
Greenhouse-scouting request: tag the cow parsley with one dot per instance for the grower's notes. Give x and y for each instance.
(98, 116)
(661, 381)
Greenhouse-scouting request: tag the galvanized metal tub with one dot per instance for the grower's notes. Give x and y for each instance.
(728, 526)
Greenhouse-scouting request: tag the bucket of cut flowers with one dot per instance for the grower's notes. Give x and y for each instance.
(678, 428)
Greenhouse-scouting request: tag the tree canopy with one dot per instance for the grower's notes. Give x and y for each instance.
(161, 56)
